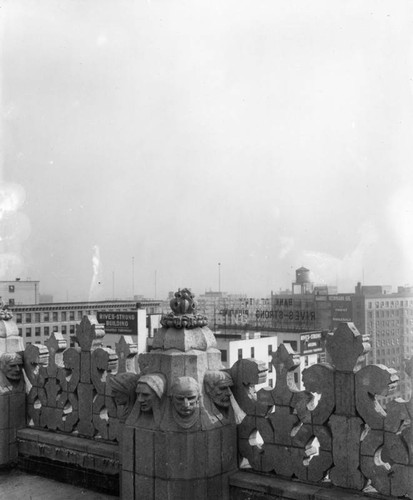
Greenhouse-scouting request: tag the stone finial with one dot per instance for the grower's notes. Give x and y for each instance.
(183, 302)
(183, 312)
(345, 346)
(127, 351)
(285, 360)
(89, 333)
(36, 359)
(56, 345)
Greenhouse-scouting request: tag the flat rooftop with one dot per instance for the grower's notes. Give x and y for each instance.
(18, 485)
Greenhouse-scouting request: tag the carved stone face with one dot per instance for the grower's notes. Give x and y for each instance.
(12, 368)
(185, 401)
(220, 393)
(145, 397)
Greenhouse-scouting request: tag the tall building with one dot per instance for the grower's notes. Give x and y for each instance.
(388, 320)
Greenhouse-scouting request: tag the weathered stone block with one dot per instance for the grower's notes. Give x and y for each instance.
(378, 474)
(4, 411)
(228, 455)
(345, 394)
(283, 421)
(127, 448)
(127, 485)
(215, 444)
(401, 481)
(85, 367)
(150, 362)
(319, 465)
(144, 487)
(373, 380)
(186, 455)
(144, 452)
(214, 359)
(196, 364)
(371, 442)
(395, 449)
(4, 446)
(346, 432)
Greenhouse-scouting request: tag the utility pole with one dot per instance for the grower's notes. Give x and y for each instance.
(133, 277)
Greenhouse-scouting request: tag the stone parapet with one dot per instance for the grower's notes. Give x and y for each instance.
(253, 486)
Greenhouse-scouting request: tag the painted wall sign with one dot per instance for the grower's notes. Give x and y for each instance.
(120, 323)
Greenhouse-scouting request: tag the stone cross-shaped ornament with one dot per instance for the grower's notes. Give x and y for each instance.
(335, 428)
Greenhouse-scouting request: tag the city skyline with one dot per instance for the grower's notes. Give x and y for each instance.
(144, 144)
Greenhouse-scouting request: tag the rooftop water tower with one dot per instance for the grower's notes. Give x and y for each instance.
(303, 283)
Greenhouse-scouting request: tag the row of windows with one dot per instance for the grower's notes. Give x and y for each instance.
(393, 350)
(45, 317)
(390, 303)
(46, 330)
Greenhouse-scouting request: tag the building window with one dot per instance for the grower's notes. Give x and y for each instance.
(224, 355)
(239, 353)
(270, 367)
(64, 329)
(271, 382)
(72, 329)
(269, 350)
(46, 317)
(71, 315)
(252, 352)
(55, 328)
(28, 332)
(11, 288)
(37, 317)
(55, 316)
(11, 302)
(37, 331)
(79, 315)
(46, 330)
(295, 377)
(63, 315)
(28, 317)
(20, 332)
(18, 318)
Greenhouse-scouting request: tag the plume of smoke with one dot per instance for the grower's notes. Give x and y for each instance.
(14, 230)
(96, 287)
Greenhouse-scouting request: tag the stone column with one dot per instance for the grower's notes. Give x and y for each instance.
(180, 439)
(12, 389)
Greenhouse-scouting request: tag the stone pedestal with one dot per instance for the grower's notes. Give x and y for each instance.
(170, 455)
(12, 390)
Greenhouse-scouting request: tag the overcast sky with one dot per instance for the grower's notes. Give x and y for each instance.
(167, 136)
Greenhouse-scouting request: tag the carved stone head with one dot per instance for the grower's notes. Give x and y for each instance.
(185, 394)
(217, 387)
(123, 388)
(150, 388)
(11, 364)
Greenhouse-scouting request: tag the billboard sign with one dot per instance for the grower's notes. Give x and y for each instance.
(310, 343)
(119, 322)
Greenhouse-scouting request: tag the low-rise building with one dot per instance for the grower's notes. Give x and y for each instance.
(37, 321)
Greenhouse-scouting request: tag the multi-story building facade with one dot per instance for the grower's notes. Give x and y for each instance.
(387, 318)
(19, 292)
(37, 321)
